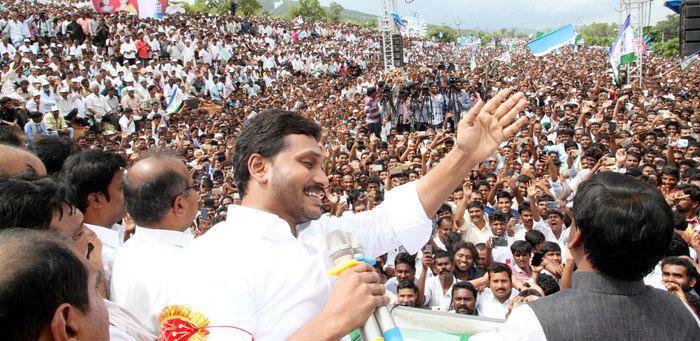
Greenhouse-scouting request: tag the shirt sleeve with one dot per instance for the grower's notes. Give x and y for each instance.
(399, 220)
(522, 324)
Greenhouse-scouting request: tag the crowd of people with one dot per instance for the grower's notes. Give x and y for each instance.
(95, 148)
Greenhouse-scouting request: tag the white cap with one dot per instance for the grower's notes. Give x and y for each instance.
(54, 108)
(44, 82)
(64, 89)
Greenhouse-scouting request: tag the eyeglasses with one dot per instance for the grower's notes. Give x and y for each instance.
(194, 187)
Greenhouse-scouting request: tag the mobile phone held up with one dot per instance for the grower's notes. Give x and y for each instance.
(537, 258)
(499, 241)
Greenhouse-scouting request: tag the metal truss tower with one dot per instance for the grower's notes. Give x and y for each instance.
(639, 12)
(387, 29)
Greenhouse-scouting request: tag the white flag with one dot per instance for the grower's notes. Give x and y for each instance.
(278, 4)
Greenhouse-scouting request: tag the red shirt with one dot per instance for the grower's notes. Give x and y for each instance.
(142, 49)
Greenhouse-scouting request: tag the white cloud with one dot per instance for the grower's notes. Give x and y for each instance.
(495, 14)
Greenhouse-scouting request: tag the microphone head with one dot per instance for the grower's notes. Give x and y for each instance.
(357, 248)
(338, 248)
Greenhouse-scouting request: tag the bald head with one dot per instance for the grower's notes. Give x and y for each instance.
(18, 161)
(152, 189)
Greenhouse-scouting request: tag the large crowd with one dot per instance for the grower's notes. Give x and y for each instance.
(86, 97)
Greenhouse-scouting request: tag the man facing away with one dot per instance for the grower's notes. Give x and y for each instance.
(162, 200)
(608, 299)
(278, 169)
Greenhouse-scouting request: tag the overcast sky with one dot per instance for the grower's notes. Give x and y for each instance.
(495, 14)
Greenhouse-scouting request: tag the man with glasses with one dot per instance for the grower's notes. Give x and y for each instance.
(162, 200)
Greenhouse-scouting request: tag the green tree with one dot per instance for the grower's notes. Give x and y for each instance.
(334, 11)
(307, 9)
(442, 33)
(249, 7)
(599, 34)
(669, 48)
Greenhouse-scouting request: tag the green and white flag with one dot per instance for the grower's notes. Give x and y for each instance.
(622, 50)
(689, 61)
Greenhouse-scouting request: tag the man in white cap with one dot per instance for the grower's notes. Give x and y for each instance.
(48, 97)
(131, 100)
(34, 102)
(56, 125)
(96, 105)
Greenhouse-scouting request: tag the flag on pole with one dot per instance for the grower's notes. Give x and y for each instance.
(552, 41)
(505, 58)
(689, 61)
(277, 4)
(176, 100)
(622, 50)
(472, 60)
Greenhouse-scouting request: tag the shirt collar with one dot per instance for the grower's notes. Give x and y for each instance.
(107, 236)
(168, 237)
(597, 282)
(265, 224)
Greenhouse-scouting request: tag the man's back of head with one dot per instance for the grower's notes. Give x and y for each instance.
(47, 290)
(159, 193)
(18, 162)
(53, 151)
(12, 135)
(625, 224)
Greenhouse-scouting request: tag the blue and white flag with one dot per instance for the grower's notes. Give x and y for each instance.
(175, 102)
(552, 41)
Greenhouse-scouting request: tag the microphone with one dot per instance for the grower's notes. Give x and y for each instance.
(386, 323)
(342, 257)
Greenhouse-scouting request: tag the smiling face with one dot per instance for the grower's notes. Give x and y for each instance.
(297, 180)
(463, 259)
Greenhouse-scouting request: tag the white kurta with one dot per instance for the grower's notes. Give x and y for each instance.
(250, 275)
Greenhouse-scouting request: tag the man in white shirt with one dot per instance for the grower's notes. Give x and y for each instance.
(126, 121)
(493, 302)
(279, 176)
(98, 177)
(436, 292)
(162, 200)
(96, 104)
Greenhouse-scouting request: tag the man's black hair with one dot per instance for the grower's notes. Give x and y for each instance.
(548, 284)
(521, 247)
(534, 237)
(39, 273)
(464, 285)
(692, 191)
(149, 200)
(529, 292)
(465, 245)
(672, 171)
(690, 268)
(548, 246)
(677, 247)
(475, 204)
(452, 237)
(504, 194)
(405, 258)
(53, 151)
(406, 284)
(524, 207)
(440, 253)
(32, 204)
(497, 267)
(10, 135)
(265, 134)
(91, 171)
(498, 216)
(618, 212)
